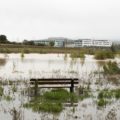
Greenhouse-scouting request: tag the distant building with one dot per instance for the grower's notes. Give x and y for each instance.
(59, 43)
(102, 43)
(63, 42)
(41, 42)
(70, 43)
(87, 42)
(78, 43)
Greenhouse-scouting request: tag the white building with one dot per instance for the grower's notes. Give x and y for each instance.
(87, 43)
(59, 43)
(78, 43)
(102, 43)
(70, 44)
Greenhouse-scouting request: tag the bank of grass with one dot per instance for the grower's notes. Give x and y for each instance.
(111, 68)
(51, 101)
(11, 48)
(101, 55)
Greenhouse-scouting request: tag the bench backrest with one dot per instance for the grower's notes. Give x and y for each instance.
(65, 82)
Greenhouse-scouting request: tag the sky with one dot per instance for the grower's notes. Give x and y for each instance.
(39, 19)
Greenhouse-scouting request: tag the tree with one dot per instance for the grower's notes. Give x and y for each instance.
(51, 43)
(3, 39)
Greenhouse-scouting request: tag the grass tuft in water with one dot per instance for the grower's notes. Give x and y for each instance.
(101, 55)
(111, 68)
(51, 101)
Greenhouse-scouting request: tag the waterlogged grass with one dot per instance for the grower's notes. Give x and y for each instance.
(84, 93)
(60, 95)
(1, 90)
(7, 98)
(102, 102)
(51, 101)
(45, 107)
(22, 54)
(111, 68)
(101, 55)
(105, 96)
(77, 55)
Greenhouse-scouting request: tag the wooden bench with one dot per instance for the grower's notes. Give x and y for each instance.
(54, 83)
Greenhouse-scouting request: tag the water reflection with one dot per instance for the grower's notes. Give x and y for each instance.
(3, 61)
(100, 63)
(82, 61)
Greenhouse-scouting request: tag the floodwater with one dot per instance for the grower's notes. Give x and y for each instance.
(13, 67)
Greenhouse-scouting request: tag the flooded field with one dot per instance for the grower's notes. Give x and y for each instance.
(16, 71)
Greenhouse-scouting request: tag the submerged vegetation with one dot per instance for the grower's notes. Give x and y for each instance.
(111, 68)
(106, 95)
(1, 90)
(101, 55)
(51, 101)
(77, 55)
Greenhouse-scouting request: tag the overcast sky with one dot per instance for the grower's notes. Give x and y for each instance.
(38, 19)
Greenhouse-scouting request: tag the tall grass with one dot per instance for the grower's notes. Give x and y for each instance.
(111, 68)
(77, 55)
(101, 55)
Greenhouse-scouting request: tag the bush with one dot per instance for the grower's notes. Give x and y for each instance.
(101, 55)
(77, 55)
(101, 102)
(111, 68)
(1, 91)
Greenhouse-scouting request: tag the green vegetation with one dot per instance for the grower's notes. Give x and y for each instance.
(106, 95)
(8, 98)
(3, 39)
(22, 54)
(101, 55)
(77, 55)
(17, 48)
(102, 102)
(51, 43)
(84, 93)
(1, 91)
(14, 89)
(51, 101)
(111, 68)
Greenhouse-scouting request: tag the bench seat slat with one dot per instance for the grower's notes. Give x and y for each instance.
(54, 79)
(42, 83)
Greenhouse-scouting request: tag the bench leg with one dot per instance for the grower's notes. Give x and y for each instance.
(72, 86)
(36, 88)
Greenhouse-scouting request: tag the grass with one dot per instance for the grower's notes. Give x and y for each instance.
(1, 90)
(101, 55)
(11, 48)
(84, 93)
(8, 98)
(22, 54)
(111, 68)
(102, 102)
(77, 55)
(45, 107)
(106, 95)
(51, 101)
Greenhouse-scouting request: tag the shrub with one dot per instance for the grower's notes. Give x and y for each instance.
(77, 55)
(101, 55)
(1, 91)
(111, 68)
(102, 102)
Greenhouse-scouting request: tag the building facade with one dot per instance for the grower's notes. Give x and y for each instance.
(62, 42)
(102, 43)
